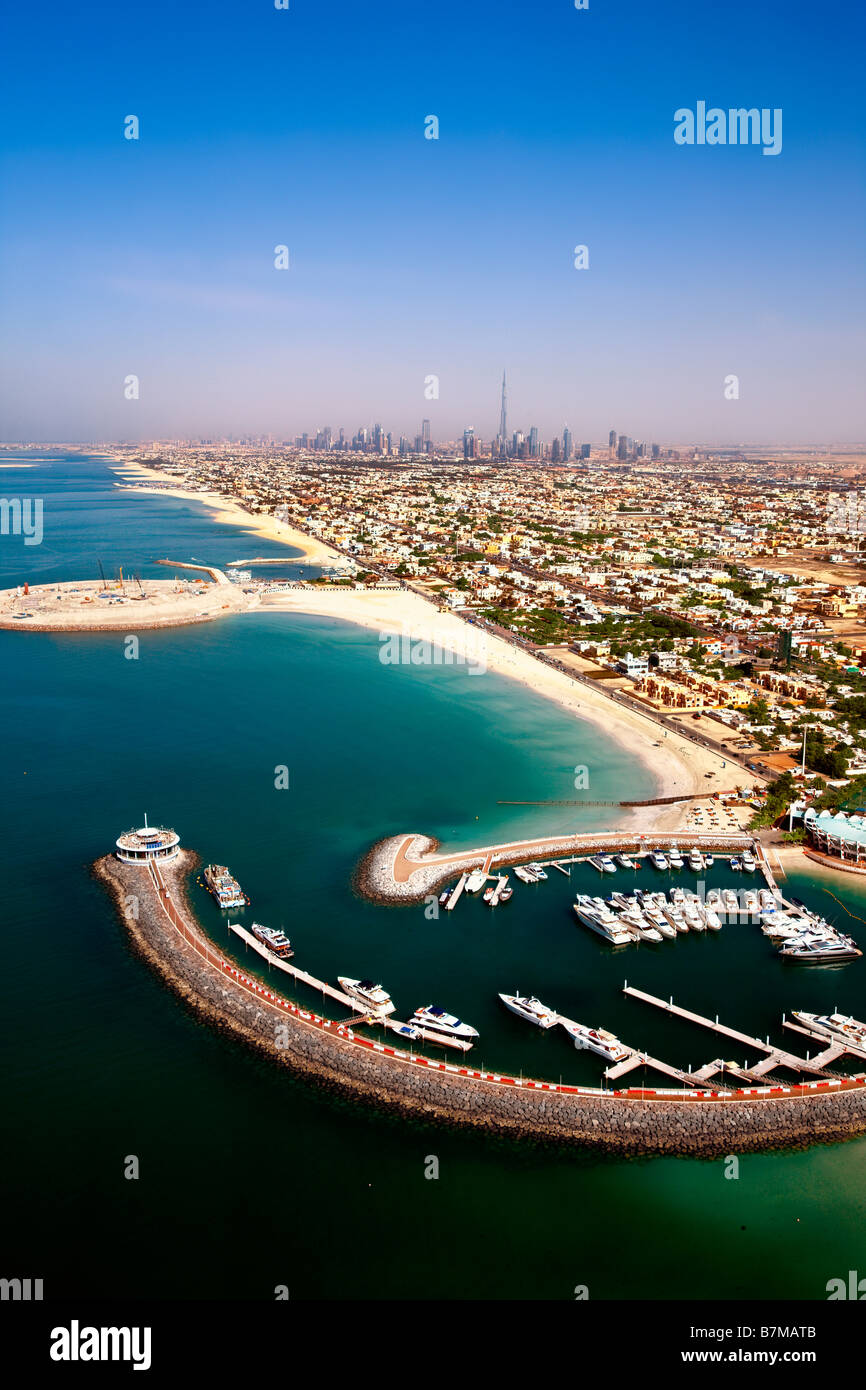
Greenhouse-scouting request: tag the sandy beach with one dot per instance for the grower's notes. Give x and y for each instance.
(230, 512)
(680, 768)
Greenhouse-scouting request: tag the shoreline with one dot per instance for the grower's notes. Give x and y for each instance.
(231, 513)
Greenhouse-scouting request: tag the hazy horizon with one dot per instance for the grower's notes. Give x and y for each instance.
(412, 257)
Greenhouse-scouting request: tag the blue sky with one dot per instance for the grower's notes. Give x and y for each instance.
(411, 257)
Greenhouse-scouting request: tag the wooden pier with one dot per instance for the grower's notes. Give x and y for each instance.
(638, 1059)
(456, 894)
(775, 1056)
(321, 986)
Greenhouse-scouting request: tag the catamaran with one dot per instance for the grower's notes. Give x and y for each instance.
(435, 1020)
(598, 1040)
(368, 992)
(531, 1009)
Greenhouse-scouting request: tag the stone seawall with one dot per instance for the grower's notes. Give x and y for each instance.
(617, 1123)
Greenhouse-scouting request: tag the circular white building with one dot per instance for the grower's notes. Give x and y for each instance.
(149, 843)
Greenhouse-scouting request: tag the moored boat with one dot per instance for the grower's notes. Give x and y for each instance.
(435, 1020)
(531, 1009)
(224, 887)
(367, 992)
(276, 941)
(597, 1040)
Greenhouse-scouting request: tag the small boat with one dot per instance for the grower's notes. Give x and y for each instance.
(405, 1030)
(476, 880)
(712, 919)
(531, 1009)
(506, 894)
(488, 894)
(767, 900)
(435, 1020)
(607, 1045)
(735, 863)
(709, 860)
(748, 862)
(276, 941)
(607, 864)
(675, 859)
(595, 861)
(538, 871)
(443, 897)
(750, 901)
(524, 874)
(368, 992)
(729, 900)
(658, 859)
(696, 860)
(625, 861)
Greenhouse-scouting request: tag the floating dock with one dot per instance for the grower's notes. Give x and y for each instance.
(457, 893)
(775, 1056)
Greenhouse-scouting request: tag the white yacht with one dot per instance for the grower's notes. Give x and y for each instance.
(475, 881)
(435, 1020)
(841, 1026)
(729, 900)
(598, 1040)
(602, 923)
(712, 918)
(767, 900)
(748, 862)
(524, 874)
(696, 860)
(675, 859)
(368, 992)
(625, 861)
(658, 859)
(607, 864)
(538, 871)
(531, 1009)
(750, 901)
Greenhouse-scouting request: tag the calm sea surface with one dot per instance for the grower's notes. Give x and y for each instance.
(250, 1178)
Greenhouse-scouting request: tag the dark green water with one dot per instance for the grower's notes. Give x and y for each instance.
(249, 1178)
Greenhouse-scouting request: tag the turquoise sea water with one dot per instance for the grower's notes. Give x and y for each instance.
(250, 1178)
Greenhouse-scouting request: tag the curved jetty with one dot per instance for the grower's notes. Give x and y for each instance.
(151, 902)
(406, 868)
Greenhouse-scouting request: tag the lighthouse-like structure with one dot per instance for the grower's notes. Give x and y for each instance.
(147, 844)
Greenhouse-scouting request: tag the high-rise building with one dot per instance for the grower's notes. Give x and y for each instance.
(503, 413)
(611, 441)
(656, 451)
(585, 450)
(555, 452)
(533, 442)
(425, 434)
(469, 442)
(567, 444)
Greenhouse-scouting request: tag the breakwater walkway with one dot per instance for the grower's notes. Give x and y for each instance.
(152, 904)
(407, 868)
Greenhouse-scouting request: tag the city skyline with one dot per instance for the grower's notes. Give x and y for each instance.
(409, 257)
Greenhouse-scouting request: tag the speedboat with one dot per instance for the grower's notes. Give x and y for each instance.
(598, 1040)
(658, 859)
(506, 894)
(538, 871)
(712, 919)
(531, 1009)
(524, 874)
(405, 1030)
(735, 863)
(435, 1020)
(625, 861)
(368, 992)
(443, 897)
(488, 894)
(709, 860)
(607, 864)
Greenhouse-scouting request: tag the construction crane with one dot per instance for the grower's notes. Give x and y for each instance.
(102, 574)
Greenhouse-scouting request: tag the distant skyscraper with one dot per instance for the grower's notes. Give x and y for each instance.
(503, 414)
(555, 451)
(425, 433)
(611, 441)
(533, 442)
(469, 442)
(585, 450)
(656, 451)
(567, 444)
